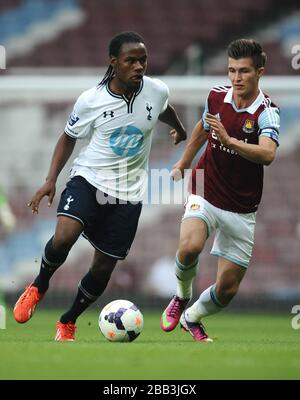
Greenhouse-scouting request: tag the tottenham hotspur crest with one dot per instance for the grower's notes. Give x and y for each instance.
(149, 108)
(69, 200)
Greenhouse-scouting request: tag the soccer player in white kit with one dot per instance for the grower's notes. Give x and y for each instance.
(102, 200)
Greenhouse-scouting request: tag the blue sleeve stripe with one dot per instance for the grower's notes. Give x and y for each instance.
(270, 134)
(206, 110)
(269, 119)
(269, 128)
(274, 117)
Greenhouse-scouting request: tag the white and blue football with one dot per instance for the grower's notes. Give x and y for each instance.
(121, 321)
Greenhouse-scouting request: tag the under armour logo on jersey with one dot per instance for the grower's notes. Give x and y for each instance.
(69, 200)
(108, 113)
(149, 108)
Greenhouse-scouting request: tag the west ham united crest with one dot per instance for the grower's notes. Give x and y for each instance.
(248, 126)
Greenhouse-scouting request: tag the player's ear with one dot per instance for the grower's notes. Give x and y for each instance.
(260, 72)
(113, 62)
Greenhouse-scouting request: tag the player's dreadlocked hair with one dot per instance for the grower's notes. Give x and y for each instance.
(243, 48)
(114, 50)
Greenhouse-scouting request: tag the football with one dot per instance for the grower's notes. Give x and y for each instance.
(121, 321)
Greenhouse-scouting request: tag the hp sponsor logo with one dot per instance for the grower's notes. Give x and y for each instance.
(126, 141)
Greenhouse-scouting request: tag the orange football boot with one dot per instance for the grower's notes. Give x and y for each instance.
(25, 306)
(65, 332)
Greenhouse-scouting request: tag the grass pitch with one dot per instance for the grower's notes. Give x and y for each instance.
(245, 347)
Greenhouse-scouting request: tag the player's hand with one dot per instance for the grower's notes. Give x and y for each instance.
(178, 136)
(219, 129)
(48, 189)
(178, 169)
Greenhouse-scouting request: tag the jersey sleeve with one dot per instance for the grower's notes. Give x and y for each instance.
(164, 94)
(80, 122)
(165, 99)
(269, 123)
(165, 105)
(206, 110)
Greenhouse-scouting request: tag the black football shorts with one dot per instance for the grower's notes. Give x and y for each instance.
(109, 226)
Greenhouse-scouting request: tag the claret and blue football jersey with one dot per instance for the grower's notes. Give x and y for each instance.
(231, 182)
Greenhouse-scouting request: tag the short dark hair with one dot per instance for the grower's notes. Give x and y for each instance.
(114, 49)
(242, 48)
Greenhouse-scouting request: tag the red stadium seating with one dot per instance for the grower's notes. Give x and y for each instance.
(168, 28)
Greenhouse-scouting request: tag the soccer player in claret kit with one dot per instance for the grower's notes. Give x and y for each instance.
(241, 126)
(102, 200)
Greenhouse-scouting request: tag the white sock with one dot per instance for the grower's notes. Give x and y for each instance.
(207, 304)
(185, 275)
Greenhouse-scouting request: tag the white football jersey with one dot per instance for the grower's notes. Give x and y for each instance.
(120, 130)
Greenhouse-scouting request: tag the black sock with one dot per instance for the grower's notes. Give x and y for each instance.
(89, 289)
(51, 261)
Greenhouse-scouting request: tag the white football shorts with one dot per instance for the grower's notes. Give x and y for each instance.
(234, 232)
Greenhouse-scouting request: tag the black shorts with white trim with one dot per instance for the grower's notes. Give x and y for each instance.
(109, 226)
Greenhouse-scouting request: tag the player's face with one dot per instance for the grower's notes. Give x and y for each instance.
(244, 76)
(130, 66)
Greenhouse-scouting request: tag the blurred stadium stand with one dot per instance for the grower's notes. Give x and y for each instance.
(168, 27)
(183, 37)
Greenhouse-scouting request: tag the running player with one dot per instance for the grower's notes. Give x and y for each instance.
(102, 200)
(241, 126)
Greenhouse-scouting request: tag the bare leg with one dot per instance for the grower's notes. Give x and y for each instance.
(229, 277)
(219, 295)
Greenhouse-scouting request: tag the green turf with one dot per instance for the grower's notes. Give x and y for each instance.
(246, 347)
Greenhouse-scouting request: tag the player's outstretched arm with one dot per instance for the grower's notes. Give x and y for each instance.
(61, 154)
(197, 140)
(170, 117)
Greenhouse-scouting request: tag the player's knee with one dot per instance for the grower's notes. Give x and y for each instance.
(102, 265)
(63, 242)
(189, 248)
